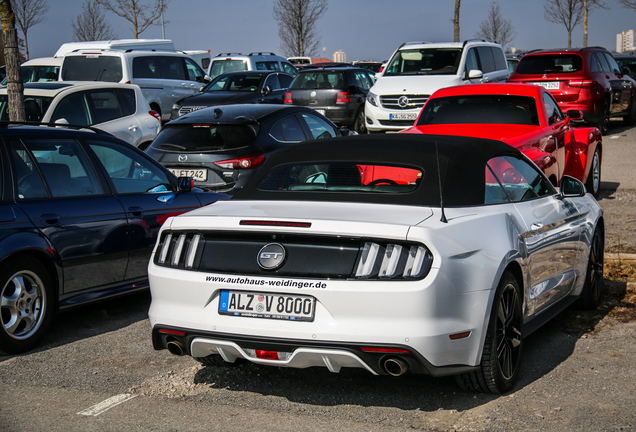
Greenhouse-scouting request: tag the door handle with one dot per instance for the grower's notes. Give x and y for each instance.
(50, 218)
(136, 211)
(132, 128)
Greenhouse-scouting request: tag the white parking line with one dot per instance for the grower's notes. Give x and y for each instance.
(99, 408)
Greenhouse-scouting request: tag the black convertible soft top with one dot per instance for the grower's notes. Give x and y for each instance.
(462, 161)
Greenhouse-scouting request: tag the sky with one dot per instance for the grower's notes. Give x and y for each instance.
(363, 29)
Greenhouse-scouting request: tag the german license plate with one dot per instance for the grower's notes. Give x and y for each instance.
(197, 174)
(267, 305)
(403, 116)
(550, 85)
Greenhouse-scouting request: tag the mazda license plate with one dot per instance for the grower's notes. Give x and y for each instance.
(196, 174)
(267, 305)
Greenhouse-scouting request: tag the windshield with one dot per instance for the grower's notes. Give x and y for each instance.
(481, 109)
(242, 83)
(204, 137)
(92, 68)
(34, 107)
(318, 80)
(424, 61)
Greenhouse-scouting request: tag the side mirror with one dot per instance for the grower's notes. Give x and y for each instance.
(61, 122)
(571, 187)
(345, 131)
(475, 74)
(186, 184)
(574, 114)
(267, 90)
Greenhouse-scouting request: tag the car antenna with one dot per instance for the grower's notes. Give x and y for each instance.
(439, 179)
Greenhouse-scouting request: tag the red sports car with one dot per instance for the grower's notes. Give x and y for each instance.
(526, 117)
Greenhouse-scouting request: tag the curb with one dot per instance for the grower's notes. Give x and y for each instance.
(620, 258)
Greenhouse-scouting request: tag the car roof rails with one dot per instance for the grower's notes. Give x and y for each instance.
(477, 40)
(261, 53)
(6, 124)
(413, 43)
(594, 47)
(228, 54)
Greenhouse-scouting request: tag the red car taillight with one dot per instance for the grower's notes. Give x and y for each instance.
(343, 97)
(580, 83)
(246, 162)
(155, 114)
(288, 98)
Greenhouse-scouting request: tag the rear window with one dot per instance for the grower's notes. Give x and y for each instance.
(342, 177)
(480, 109)
(204, 137)
(549, 64)
(224, 66)
(318, 80)
(92, 68)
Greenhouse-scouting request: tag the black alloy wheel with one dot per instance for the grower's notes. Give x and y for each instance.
(592, 290)
(501, 355)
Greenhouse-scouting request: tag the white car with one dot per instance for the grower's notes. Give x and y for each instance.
(164, 74)
(119, 109)
(417, 69)
(350, 253)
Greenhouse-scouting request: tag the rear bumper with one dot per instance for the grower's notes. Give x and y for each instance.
(300, 354)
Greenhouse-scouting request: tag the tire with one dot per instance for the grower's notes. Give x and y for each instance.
(604, 119)
(593, 288)
(593, 182)
(360, 124)
(217, 360)
(501, 356)
(27, 304)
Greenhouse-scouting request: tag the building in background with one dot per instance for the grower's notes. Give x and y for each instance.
(625, 41)
(340, 56)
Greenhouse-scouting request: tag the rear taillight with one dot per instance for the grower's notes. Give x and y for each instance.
(246, 162)
(288, 98)
(155, 114)
(393, 261)
(580, 83)
(343, 97)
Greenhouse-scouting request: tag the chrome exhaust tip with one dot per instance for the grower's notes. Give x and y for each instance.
(395, 366)
(176, 348)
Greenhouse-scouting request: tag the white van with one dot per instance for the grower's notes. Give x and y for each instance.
(417, 69)
(234, 62)
(164, 75)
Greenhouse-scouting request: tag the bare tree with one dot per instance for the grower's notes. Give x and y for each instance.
(630, 4)
(138, 13)
(15, 86)
(495, 27)
(588, 5)
(566, 12)
(27, 14)
(91, 25)
(456, 21)
(297, 25)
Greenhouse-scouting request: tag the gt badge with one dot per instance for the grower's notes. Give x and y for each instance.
(271, 256)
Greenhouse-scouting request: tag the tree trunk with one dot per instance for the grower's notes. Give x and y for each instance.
(15, 86)
(456, 21)
(585, 13)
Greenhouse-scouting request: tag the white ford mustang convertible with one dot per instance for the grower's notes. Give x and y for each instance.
(392, 253)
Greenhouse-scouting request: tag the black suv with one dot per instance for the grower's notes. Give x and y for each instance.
(337, 92)
(79, 215)
(586, 79)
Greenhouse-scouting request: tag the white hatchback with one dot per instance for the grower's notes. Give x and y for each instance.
(119, 109)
